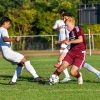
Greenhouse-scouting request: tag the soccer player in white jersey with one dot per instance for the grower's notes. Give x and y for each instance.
(12, 56)
(64, 52)
(63, 33)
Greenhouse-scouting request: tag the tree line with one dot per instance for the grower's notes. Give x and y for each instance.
(34, 17)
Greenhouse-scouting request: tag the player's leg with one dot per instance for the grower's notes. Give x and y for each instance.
(66, 73)
(92, 69)
(78, 63)
(67, 77)
(62, 54)
(56, 74)
(61, 57)
(66, 62)
(30, 69)
(17, 73)
(19, 58)
(75, 73)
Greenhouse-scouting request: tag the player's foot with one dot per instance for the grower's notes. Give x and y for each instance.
(38, 79)
(65, 80)
(98, 75)
(12, 83)
(57, 65)
(80, 79)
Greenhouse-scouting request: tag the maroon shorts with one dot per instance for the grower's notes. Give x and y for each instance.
(76, 59)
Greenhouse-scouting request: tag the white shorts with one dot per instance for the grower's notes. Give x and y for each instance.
(12, 56)
(63, 45)
(65, 51)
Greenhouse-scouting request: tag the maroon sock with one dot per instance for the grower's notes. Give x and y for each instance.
(78, 75)
(57, 73)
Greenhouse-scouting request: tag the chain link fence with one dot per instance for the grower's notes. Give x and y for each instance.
(46, 42)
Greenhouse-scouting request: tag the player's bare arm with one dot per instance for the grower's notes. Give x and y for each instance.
(79, 40)
(63, 41)
(6, 39)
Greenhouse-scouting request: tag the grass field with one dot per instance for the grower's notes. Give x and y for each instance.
(25, 89)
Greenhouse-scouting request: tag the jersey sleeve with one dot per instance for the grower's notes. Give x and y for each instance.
(4, 33)
(55, 25)
(79, 31)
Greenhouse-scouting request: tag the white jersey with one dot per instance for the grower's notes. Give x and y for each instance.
(4, 33)
(7, 52)
(63, 32)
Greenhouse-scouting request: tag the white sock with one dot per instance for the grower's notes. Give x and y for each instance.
(66, 73)
(30, 69)
(17, 73)
(90, 68)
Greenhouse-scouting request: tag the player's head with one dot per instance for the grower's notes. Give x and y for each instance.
(62, 11)
(5, 22)
(70, 23)
(66, 15)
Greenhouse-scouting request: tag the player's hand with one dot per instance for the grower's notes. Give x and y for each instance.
(66, 41)
(17, 39)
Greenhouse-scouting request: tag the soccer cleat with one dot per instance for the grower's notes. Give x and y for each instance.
(12, 83)
(57, 65)
(38, 79)
(80, 79)
(65, 80)
(98, 75)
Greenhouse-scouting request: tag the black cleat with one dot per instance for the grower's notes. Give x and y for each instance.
(38, 79)
(12, 83)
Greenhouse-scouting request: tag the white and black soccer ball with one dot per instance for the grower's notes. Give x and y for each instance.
(53, 79)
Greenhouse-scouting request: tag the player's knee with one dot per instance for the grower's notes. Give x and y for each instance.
(73, 72)
(20, 64)
(23, 60)
(60, 59)
(63, 66)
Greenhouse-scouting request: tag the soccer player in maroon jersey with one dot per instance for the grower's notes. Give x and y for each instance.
(90, 68)
(76, 54)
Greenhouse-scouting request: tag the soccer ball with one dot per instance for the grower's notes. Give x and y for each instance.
(53, 79)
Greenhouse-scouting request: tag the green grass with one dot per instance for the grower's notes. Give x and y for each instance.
(27, 90)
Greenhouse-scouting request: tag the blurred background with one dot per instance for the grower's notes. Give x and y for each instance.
(33, 21)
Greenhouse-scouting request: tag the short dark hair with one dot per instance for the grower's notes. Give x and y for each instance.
(62, 11)
(4, 19)
(67, 14)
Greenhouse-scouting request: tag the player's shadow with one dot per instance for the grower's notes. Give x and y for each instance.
(9, 77)
(91, 81)
(85, 81)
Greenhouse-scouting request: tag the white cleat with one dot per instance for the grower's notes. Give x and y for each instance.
(65, 80)
(98, 75)
(80, 79)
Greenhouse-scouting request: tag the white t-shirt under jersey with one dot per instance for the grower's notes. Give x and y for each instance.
(4, 33)
(63, 32)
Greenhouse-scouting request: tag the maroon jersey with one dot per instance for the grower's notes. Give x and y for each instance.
(73, 35)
